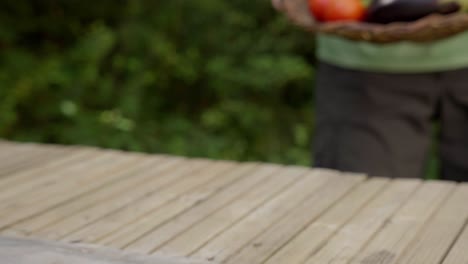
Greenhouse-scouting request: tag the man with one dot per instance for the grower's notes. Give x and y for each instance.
(376, 103)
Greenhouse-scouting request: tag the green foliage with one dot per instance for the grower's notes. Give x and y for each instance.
(219, 79)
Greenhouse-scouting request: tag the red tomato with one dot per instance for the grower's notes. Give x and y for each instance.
(344, 10)
(318, 8)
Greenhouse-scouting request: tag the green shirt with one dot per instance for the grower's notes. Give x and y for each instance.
(402, 57)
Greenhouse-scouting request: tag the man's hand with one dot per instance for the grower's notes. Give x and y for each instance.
(297, 11)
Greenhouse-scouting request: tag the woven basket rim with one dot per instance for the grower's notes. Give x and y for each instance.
(431, 17)
(430, 28)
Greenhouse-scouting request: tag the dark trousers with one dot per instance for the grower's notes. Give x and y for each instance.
(381, 124)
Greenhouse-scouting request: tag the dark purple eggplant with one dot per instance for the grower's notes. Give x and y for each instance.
(387, 11)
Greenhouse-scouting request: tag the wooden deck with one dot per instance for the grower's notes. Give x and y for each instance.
(199, 211)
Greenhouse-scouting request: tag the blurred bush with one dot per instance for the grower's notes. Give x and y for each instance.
(210, 78)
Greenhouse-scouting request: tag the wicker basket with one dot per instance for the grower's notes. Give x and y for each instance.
(430, 28)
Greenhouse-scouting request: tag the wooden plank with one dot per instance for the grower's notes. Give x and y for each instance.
(4, 143)
(15, 151)
(5, 152)
(9, 151)
(65, 227)
(41, 160)
(35, 179)
(232, 239)
(434, 242)
(270, 187)
(275, 237)
(459, 253)
(147, 173)
(92, 179)
(190, 240)
(21, 251)
(53, 179)
(24, 194)
(5, 149)
(391, 242)
(5, 182)
(178, 199)
(317, 234)
(242, 217)
(168, 222)
(40, 156)
(347, 242)
(14, 155)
